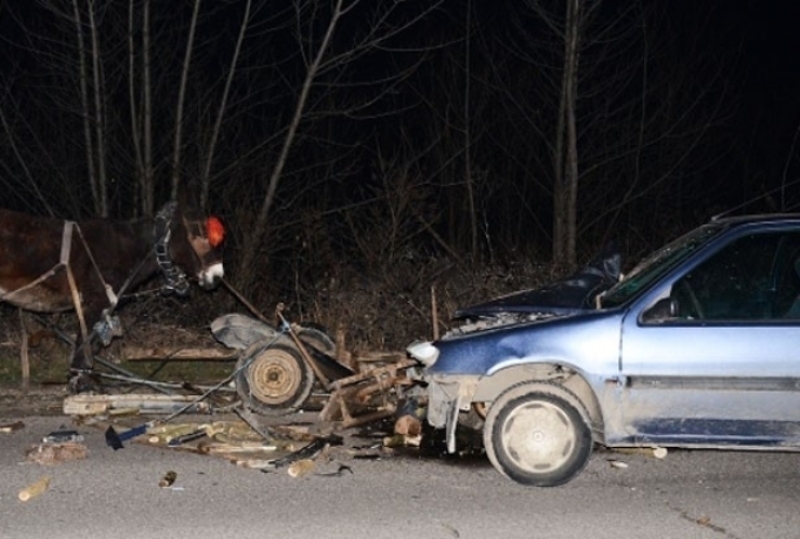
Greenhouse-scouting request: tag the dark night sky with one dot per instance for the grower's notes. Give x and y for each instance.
(756, 43)
(770, 67)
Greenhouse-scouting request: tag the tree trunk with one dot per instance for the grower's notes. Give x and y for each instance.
(468, 180)
(259, 228)
(99, 115)
(187, 60)
(83, 77)
(565, 193)
(149, 196)
(206, 175)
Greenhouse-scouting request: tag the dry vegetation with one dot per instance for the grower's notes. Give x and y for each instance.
(373, 313)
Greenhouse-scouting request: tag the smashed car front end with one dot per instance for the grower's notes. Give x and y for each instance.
(448, 394)
(510, 337)
(465, 371)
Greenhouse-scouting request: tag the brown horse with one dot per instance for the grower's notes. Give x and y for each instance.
(50, 265)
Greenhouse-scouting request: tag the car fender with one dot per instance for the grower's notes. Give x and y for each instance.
(553, 374)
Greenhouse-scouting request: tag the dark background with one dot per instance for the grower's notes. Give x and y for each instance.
(685, 110)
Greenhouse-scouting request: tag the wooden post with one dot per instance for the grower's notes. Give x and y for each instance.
(24, 357)
(434, 314)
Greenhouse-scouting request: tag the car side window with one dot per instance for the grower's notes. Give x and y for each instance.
(754, 278)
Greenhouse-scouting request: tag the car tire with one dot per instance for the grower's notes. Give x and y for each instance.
(537, 434)
(276, 381)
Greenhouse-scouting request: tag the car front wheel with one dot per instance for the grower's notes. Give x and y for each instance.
(535, 435)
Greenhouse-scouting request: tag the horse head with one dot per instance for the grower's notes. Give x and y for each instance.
(188, 243)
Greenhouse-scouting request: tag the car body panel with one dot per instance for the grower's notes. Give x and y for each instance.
(568, 296)
(727, 375)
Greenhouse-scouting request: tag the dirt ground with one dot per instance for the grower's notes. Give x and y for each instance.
(41, 401)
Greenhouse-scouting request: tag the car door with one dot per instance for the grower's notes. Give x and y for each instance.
(723, 368)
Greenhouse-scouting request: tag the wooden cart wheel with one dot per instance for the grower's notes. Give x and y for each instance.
(277, 381)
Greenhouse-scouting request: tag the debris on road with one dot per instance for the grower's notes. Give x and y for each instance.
(61, 436)
(49, 454)
(301, 468)
(168, 479)
(7, 428)
(271, 364)
(373, 390)
(402, 440)
(655, 452)
(86, 404)
(34, 489)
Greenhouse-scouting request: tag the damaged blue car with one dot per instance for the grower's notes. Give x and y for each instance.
(697, 347)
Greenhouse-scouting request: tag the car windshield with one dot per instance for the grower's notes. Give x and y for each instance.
(657, 264)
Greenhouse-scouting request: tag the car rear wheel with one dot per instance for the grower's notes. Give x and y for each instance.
(536, 435)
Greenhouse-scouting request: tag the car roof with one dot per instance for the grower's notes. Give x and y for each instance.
(736, 220)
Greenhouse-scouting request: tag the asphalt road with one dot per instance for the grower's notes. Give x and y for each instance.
(689, 494)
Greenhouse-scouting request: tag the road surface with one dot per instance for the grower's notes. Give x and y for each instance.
(689, 494)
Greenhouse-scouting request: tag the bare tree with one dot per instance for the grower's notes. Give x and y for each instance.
(598, 87)
(205, 178)
(187, 62)
(325, 60)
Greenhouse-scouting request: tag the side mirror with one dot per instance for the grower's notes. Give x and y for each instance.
(663, 309)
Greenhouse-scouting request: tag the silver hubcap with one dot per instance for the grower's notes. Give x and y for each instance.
(538, 437)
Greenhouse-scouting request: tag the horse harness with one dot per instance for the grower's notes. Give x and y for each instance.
(176, 280)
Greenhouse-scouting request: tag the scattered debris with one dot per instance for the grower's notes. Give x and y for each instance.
(617, 464)
(61, 436)
(340, 471)
(402, 440)
(34, 489)
(166, 434)
(188, 437)
(307, 452)
(373, 390)
(704, 521)
(655, 452)
(301, 468)
(7, 428)
(114, 439)
(168, 479)
(367, 391)
(408, 425)
(90, 404)
(49, 454)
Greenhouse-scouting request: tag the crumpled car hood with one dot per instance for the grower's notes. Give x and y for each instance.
(573, 294)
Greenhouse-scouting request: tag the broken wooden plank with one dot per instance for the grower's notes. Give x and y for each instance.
(161, 353)
(12, 427)
(377, 373)
(378, 357)
(87, 404)
(381, 413)
(367, 389)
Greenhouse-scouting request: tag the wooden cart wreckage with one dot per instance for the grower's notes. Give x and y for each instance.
(277, 372)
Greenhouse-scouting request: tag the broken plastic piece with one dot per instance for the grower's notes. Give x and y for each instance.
(62, 436)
